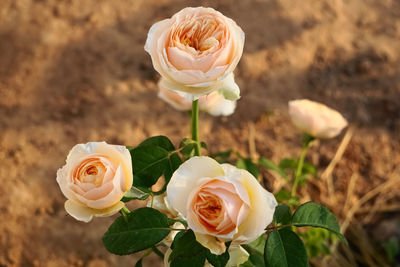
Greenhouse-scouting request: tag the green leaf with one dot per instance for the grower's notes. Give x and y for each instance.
(160, 141)
(255, 259)
(284, 195)
(152, 158)
(288, 164)
(282, 214)
(188, 151)
(392, 248)
(138, 230)
(139, 263)
(135, 193)
(187, 252)
(315, 215)
(203, 145)
(285, 249)
(182, 221)
(270, 165)
(174, 161)
(221, 157)
(219, 260)
(317, 241)
(148, 163)
(308, 168)
(247, 164)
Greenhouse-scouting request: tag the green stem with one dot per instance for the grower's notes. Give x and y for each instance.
(125, 210)
(299, 168)
(195, 127)
(277, 227)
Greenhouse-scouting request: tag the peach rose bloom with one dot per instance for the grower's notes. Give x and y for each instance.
(196, 52)
(94, 179)
(220, 202)
(213, 103)
(316, 119)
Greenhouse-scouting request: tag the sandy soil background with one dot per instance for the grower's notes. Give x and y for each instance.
(75, 71)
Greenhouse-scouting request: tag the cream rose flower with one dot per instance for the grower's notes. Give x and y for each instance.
(94, 179)
(196, 52)
(213, 103)
(220, 202)
(316, 119)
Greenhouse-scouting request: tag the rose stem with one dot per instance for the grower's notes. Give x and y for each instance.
(195, 127)
(125, 209)
(306, 142)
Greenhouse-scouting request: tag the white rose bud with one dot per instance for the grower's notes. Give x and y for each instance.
(316, 119)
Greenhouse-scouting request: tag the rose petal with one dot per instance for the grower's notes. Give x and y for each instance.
(215, 246)
(223, 107)
(121, 157)
(316, 119)
(114, 196)
(237, 255)
(85, 214)
(229, 89)
(259, 216)
(186, 177)
(174, 99)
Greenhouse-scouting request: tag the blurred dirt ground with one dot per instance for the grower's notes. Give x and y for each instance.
(75, 71)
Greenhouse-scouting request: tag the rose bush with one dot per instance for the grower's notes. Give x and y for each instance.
(220, 202)
(196, 51)
(213, 103)
(316, 119)
(94, 179)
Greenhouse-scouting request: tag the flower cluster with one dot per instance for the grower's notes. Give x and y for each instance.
(207, 213)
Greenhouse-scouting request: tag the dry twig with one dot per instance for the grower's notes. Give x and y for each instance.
(327, 174)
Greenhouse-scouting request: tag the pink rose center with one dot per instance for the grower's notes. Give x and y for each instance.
(91, 171)
(217, 208)
(209, 207)
(200, 33)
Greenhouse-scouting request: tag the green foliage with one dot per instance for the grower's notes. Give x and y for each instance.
(172, 221)
(154, 157)
(187, 146)
(317, 241)
(256, 251)
(138, 230)
(159, 141)
(315, 215)
(282, 214)
(256, 258)
(148, 163)
(139, 263)
(219, 260)
(249, 165)
(291, 164)
(392, 248)
(285, 196)
(187, 251)
(135, 193)
(270, 165)
(222, 157)
(285, 249)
